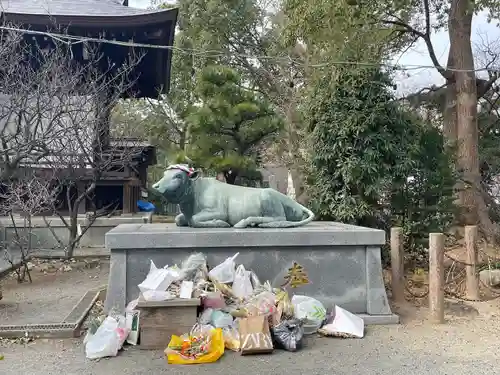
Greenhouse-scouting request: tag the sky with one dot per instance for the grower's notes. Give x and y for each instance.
(483, 33)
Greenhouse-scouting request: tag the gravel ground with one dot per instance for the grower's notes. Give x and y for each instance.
(459, 347)
(51, 296)
(464, 345)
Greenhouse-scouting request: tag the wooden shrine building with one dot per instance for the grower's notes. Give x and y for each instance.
(111, 20)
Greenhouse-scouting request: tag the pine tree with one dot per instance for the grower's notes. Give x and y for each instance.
(230, 124)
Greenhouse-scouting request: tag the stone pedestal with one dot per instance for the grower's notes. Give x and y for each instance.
(342, 261)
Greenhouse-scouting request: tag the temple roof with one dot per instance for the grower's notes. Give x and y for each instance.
(111, 20)
(82, 12)
(71, 7)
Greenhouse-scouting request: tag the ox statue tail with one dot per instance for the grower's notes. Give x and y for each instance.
(309, 218)
(290, 205)
(294, 224)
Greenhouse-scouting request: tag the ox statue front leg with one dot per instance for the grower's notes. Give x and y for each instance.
(209, 219)
(181, 221)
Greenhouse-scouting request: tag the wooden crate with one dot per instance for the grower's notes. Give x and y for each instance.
(160, 320)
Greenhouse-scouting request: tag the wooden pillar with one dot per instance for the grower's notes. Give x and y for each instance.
(136, 195)
(127, 194)
(131, 194)
(436, 277)
(397, 267)
(472, 277)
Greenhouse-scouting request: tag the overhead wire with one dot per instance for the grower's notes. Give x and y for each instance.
(72, 40)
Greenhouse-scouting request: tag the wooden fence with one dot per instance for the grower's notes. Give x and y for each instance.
(436, 270)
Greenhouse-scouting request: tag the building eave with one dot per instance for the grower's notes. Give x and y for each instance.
(95, 21)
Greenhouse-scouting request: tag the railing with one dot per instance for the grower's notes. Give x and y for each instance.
(169, 209)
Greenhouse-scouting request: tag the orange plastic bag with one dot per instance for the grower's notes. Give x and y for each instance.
(216, 350)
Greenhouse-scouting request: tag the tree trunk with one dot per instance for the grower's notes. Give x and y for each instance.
(450, 108)
(450, 129)
(294, 154)
(467, 132)
(73, 233)
(474, 209)
(182, 142)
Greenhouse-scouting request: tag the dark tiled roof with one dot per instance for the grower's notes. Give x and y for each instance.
(71, 8)
(92, 16)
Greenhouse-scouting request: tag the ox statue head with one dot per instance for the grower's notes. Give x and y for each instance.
(176, 183)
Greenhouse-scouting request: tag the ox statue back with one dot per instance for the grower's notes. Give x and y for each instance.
(209, 203)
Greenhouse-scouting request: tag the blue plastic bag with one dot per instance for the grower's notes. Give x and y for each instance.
(145, 206)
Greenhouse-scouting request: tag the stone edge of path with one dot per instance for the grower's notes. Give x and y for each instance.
(70, 327)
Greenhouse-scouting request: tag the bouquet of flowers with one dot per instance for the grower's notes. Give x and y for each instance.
(201, 345)
(193, 346)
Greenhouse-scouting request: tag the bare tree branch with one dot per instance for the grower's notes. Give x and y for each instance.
(55, 117)
(28, 196)
(424, 35)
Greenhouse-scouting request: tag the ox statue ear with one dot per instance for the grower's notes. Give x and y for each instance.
(193, 176)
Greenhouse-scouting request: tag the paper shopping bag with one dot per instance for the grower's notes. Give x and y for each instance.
(255, 336)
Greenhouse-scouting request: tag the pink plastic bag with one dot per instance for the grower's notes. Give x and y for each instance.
(213, 300)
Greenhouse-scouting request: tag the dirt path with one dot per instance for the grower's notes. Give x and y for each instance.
(53, 293)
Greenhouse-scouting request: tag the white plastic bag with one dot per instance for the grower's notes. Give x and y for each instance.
(344, 324)
(255, 280)
(206, 316)
(242, 284)
(132, 305)
(191, 266)
(309, 309)
(199, 328)
(220, 319)
(159, 278)
(224, 272)
(87, 337)
(108, 339)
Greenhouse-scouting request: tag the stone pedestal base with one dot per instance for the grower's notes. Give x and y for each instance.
(342, 261)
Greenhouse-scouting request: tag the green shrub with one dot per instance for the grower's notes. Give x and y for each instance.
(374, 163)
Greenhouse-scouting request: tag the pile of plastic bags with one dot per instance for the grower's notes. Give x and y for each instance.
(167, 283)
(239, 313)
(231, 294)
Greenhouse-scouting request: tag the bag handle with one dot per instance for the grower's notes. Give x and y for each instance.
(240, 270)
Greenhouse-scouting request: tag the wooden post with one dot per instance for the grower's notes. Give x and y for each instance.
(127, 195)
(436, 277)
(472, 277)
(397, 267)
